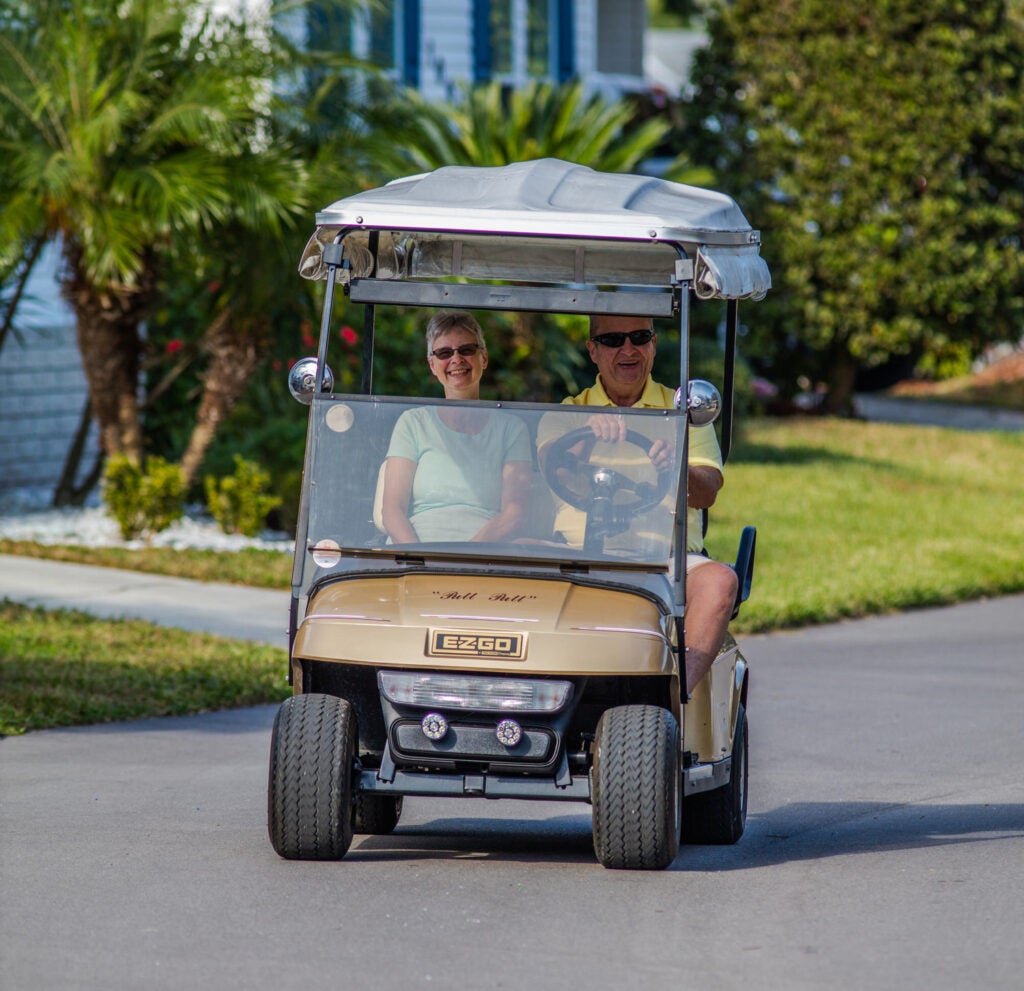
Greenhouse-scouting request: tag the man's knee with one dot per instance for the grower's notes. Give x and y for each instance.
(714, 580)
(728, 583)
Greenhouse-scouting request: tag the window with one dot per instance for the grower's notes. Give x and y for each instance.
(620, 34)
(520, 39)
(538, 33)
(365, 30)
(500, 37)
(382, 35)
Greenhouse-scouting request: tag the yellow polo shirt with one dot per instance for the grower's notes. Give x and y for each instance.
(703, 451)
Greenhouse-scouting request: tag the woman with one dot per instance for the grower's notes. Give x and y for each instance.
(456, 473)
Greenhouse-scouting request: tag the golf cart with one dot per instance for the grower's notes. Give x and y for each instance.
(534, 667)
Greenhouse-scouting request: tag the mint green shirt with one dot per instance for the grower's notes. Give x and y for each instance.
(458, 480)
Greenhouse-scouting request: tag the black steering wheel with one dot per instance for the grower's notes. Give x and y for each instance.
(599, 485)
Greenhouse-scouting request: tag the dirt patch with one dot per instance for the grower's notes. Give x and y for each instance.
(998, 384)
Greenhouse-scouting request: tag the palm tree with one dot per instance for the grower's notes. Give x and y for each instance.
(495, 126)
(126, 134)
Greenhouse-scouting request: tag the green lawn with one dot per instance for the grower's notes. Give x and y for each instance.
(853, 519)
(857, 518)
(65, 668)
(260, 569)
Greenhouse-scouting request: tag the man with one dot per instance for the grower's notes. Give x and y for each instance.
(623, 350)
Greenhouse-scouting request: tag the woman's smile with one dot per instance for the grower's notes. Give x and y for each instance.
(460, 374)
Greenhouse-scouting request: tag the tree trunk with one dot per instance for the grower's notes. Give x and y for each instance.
(841, 381)
(66, 494)
(107, 324)
(235, 353)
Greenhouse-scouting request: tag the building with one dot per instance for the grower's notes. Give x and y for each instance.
(43, 392)
(439, 46)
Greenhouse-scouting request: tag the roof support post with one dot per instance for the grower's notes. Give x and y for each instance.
(729, 374)
(682, 501)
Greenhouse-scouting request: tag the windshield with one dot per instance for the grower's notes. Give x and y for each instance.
(441, 479)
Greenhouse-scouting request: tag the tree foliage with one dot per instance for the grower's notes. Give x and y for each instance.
(128, 133)
(880, 148)
(177, 155)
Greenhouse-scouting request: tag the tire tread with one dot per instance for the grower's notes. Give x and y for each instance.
(310, 786)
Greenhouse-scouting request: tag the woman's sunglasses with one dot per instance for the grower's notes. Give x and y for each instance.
(466, 350)
(616, 340)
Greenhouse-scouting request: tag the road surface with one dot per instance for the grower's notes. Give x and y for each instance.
(884, 849)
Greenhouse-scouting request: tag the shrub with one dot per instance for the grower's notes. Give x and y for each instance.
(239, 502)
(143, 502)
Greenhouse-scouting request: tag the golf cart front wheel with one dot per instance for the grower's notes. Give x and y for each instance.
(309, 795)
(637, 788)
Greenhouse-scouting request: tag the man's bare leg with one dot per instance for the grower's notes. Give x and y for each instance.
(710, 599)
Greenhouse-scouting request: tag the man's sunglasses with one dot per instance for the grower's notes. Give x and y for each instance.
(616, 340)
(466, 350)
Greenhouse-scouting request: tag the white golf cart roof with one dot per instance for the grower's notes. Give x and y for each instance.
(545, 221)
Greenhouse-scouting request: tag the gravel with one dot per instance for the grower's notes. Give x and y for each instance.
(24, 516)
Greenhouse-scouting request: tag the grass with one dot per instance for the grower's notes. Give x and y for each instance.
(65, 668)
(853, 519)
(856, 519)
(260, 569)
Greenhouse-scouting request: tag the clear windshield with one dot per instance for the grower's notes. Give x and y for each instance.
(502, 482)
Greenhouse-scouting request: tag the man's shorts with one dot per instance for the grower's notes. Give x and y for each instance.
(695, 561)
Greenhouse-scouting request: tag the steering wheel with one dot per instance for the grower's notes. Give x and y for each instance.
(602, 484)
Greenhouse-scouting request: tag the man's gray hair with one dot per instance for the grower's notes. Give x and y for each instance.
(446, 320)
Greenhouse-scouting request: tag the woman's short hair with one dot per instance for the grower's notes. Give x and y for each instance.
(446, 320)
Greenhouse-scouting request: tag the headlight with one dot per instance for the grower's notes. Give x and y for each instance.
(445, 691)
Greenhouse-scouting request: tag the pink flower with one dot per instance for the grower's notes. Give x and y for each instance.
(173, 345)
(349, 336)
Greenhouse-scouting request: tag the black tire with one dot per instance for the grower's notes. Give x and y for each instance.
(376, 814)
(309, 796)
(718, 818)
(637, 788)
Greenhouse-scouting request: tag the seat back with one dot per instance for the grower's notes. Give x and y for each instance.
(744, 566)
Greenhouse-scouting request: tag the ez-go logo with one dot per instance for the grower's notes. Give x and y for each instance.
(466, 643)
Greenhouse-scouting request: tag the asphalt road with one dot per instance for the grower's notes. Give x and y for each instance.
(884, 847)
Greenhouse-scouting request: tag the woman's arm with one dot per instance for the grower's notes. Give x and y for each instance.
(515, 490)
(398, 476)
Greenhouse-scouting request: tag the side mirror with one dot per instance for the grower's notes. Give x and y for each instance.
(703, 402)
(302, 380)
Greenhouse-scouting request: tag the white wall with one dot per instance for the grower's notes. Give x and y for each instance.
(42, 389)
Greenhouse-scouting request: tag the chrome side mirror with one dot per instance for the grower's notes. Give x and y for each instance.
(703, 402)
(302, 380)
